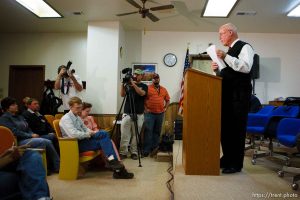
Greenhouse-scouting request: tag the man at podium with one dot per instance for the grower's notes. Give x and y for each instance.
(236, 93)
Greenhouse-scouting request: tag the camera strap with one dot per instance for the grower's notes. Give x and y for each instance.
(62, 88)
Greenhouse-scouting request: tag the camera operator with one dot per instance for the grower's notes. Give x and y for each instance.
(68, 83)
(138, 92)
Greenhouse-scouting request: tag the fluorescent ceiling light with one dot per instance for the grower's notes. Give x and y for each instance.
(39, 8)
(295, 12)
(218, 8)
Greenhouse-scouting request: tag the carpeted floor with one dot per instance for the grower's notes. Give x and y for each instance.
(258, 181)
(149, 183)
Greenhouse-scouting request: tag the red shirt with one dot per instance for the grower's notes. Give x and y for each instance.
(156, 99)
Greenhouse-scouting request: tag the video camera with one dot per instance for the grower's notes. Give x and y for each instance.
(128, 75)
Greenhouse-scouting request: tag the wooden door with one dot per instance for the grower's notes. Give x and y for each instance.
(26, 81)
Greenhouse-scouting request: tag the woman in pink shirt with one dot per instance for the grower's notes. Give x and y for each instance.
(89, 121)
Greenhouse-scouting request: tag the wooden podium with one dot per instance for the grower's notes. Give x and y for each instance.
(201, 123)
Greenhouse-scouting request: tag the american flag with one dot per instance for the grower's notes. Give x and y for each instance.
(186, 66)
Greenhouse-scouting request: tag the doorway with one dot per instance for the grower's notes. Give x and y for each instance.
(26, 81)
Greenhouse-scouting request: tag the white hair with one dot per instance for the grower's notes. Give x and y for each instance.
(230, 27)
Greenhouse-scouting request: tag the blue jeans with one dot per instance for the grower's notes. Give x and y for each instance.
(46, 144)
(98, 141)
(153, 124)
(9, 188)
(29, 174)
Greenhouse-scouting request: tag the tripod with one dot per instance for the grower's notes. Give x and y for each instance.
(129, 96)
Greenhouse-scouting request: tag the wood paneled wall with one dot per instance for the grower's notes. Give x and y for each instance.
(105, 120)
(170, 116)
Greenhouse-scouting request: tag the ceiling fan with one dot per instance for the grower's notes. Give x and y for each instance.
(145, 12)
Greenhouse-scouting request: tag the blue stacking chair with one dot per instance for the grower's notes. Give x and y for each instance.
(288, 134)
(265, 110)
(254, 128)
(265, 125)
(257, 121)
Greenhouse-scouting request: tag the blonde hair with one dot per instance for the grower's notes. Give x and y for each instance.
(74, 100)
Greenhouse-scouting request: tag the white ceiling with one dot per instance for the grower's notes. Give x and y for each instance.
(270, 18)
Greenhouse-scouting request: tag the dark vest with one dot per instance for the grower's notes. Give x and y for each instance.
(230, 76)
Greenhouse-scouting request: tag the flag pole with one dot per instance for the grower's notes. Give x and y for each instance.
(185, 67)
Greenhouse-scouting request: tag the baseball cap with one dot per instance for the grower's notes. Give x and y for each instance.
(155, 76)
(138, 71)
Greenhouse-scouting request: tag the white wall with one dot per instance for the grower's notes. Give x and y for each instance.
(49, 49)
(278, 55)
(279, 59)
(103, 66)
(133, 48)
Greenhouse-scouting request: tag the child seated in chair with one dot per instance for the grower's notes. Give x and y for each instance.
(89, 121)
(71, 125)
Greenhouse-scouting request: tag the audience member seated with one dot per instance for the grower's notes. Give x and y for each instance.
(89, 121)
(22, 175)
(72, 126)
(18, 125)
(23, 106)
(38, 123)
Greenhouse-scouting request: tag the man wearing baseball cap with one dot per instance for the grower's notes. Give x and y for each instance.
(138, 91)
(156, 104)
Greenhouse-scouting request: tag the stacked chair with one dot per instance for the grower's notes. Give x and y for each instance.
(257, 129)
(288, 134)
(292, 101)
(264, 124)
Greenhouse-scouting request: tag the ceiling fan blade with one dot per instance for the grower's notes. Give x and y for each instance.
(153, 1)
(135, 4)
(162, 7)
(123, 14)
(152, 17)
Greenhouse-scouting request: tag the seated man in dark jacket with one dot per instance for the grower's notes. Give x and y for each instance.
(38, 123)
(19, 127)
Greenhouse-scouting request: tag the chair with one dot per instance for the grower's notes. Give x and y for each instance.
(289, 101)
(253, 128)
(266, 109)
(255, 104)
(58, 116)
(50, 119)
(170, 117)
(8, 140)
(288, 134)
(70, 158)
(265, 125)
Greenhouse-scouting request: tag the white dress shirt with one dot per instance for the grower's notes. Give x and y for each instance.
(244, 62)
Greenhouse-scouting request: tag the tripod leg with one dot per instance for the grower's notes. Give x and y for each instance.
(134, 118)
(137, 136)
(115, 135)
